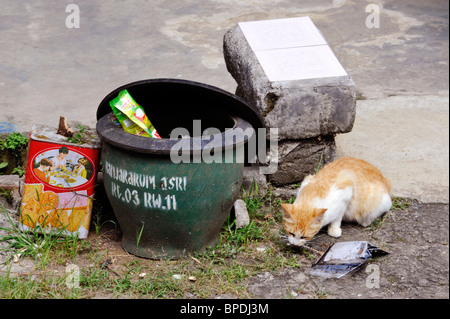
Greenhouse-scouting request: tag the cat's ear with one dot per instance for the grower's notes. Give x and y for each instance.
(319, 213)
(287, 211)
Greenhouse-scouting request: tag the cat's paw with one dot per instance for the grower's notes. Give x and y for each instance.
(335, 232)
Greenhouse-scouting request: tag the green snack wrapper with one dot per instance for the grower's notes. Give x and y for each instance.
(132, 116)
(127, 124)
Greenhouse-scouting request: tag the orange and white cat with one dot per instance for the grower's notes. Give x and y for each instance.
(347, 189)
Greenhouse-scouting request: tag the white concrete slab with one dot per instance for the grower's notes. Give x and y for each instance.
(281, 33)
(291, 49)
(300, 63)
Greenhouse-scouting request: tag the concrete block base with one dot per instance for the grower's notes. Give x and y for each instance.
(299, 158)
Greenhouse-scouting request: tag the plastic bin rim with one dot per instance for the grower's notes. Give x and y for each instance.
(246, 111)
(231, 138)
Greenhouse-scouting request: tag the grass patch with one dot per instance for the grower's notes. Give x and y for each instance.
(400, 203)
(109, 272)
(37, 244)
(13, 151)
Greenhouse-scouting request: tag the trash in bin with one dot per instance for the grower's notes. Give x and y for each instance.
(132, 116)
(59, 182)
(344, 257)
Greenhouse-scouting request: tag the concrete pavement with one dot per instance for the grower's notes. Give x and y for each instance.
(400, 68)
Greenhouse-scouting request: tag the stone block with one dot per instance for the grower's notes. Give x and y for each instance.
(288, 72)
(241, 213)
(299, 158)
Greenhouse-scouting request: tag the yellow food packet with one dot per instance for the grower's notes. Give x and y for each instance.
(132, 116)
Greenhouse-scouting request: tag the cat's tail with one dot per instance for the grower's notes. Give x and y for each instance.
(387, 182)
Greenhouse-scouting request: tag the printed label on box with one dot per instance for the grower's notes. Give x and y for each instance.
(59, 188)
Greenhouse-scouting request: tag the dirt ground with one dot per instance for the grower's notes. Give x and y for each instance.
(417, 265)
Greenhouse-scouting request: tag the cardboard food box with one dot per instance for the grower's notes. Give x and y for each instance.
(59, 183)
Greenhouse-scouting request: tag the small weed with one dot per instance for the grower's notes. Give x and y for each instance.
(377, 223)
(138, 237)
(296, 185)
(18, 171)
(320, 164)
(80, 136)
(14, 142)
(360, 96)
(320, 293)
(3, 165)
(400, 203)
(6, 194)
(77, 137)
(98, 222)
